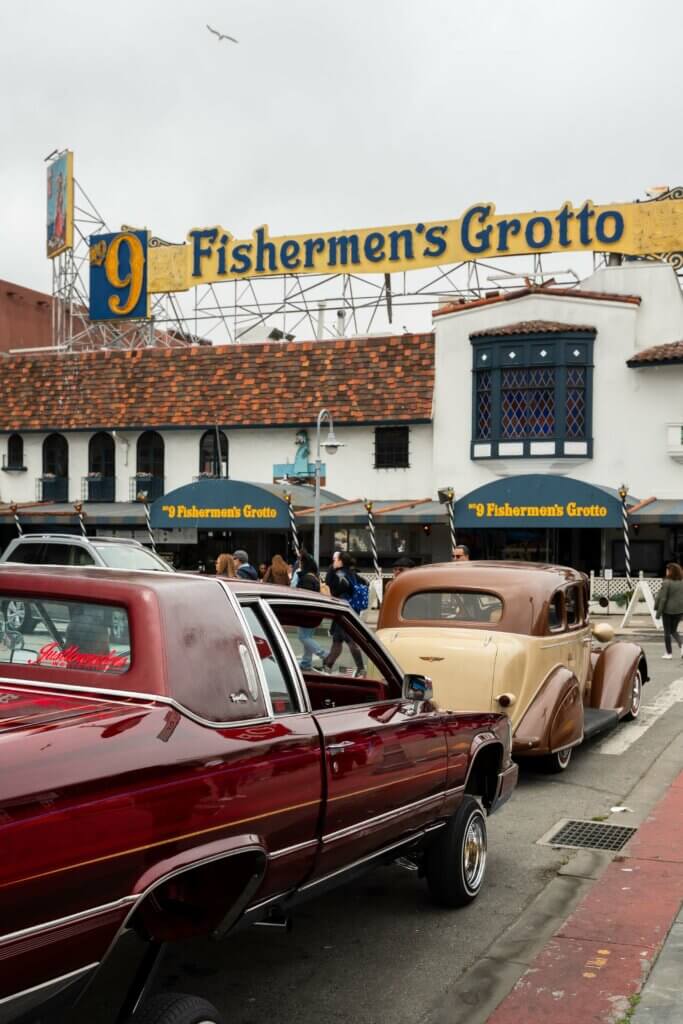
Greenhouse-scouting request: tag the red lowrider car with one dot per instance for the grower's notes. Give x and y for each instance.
(194, 779)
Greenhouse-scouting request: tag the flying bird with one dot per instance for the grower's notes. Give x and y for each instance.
(221, 35)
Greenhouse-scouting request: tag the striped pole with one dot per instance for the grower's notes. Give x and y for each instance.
(623, 493)
(15, 513)
(150, 531)
(292, 522)
(373, 538)
(448, 496)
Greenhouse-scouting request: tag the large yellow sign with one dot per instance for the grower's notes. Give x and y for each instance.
(212, 255)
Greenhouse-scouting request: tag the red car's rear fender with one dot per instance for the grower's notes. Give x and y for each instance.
(202, 890)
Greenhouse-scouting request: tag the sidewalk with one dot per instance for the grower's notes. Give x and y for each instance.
(600, 960)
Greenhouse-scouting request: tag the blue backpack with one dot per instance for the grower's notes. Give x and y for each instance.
(360, 594)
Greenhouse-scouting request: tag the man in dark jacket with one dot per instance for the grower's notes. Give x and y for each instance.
(245, 571)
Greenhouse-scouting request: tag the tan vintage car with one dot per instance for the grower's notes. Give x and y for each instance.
(515, 637)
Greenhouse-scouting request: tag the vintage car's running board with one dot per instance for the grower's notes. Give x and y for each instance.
(597, 720)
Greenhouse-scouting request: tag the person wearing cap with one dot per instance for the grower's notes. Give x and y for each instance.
(401, 564)
(245, 571)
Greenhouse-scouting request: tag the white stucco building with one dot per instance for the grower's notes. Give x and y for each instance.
(529, 404)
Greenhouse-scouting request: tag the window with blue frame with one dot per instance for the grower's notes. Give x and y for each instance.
(532, 394)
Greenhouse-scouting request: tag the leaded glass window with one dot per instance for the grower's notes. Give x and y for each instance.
(484, 405)
(528, 402)
(576, 402)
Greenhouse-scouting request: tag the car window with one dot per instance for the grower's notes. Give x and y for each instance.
(453, 605)
(572, 599)
(556, 612)
(340, 663)
(57, 554)
(277, 676)
(130, 556)
(28, 554)
(64, 635)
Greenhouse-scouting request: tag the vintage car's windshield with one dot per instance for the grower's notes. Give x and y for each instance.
(452, 605)
(130, 556)
(64, 634)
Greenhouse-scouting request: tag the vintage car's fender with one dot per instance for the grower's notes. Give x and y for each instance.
(613, 672)
(554, 718)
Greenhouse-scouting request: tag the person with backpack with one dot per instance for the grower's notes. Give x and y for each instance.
(344, 584)
(305, 577)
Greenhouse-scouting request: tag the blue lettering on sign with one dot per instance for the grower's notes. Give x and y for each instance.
(617, 227)
(480, 213)
(532, 236)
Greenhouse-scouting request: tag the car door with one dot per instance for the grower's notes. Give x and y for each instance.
(385, 757)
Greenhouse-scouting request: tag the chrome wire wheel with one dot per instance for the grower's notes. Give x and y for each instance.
(636, 696)
(474, 852)
(564, 757)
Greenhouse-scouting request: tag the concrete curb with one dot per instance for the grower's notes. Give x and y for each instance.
(604, 951)
(479, 991)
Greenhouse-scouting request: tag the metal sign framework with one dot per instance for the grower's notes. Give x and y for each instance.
(288, 306)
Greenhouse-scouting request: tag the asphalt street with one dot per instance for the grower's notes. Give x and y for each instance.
(378, 950)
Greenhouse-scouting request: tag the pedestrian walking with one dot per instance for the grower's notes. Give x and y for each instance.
(277, 572)
(306, 577)
(669, 605)
(340, 580)
(225, 566)
(244, 570)
(461, 553)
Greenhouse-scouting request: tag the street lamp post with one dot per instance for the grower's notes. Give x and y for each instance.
(330, 444)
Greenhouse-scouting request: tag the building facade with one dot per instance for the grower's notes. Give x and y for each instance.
(535, 406)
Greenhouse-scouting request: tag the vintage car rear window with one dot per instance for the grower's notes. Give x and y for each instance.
(452, 605)
(64, 634)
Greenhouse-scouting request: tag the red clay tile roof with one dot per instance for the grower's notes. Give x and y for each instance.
(532, 327)
(565, 293)
(658, 355)
(361, 380)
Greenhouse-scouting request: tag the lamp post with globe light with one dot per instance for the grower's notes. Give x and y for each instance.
(330, 444)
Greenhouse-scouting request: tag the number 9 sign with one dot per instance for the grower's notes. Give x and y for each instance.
(118, 276)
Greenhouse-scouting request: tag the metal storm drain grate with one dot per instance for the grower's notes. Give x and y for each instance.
(587, 835)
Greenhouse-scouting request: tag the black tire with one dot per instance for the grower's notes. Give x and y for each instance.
(636, 697)
(456, 864)
(18, 616)
(557, 762)
(173, 1008)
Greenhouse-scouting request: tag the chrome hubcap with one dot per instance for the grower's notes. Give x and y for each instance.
(563, 756)
(636, 694)
(474, 853)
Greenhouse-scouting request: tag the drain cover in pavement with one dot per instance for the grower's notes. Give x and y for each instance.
(587, 835)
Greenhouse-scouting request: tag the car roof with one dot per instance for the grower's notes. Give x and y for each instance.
(525, 589)
(74, 538)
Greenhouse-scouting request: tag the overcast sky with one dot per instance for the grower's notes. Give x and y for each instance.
(331, 115)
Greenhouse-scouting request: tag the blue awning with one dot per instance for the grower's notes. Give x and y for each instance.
(538, 500)
(218, 504)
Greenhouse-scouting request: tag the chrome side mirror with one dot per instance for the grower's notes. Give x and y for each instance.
(417, 688)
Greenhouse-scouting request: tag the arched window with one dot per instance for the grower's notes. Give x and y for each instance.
(101, 468)
(208, 461)
(150, 465)
(15, 452)
(55, 483)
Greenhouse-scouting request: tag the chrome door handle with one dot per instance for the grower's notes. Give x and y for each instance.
(336, 748)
